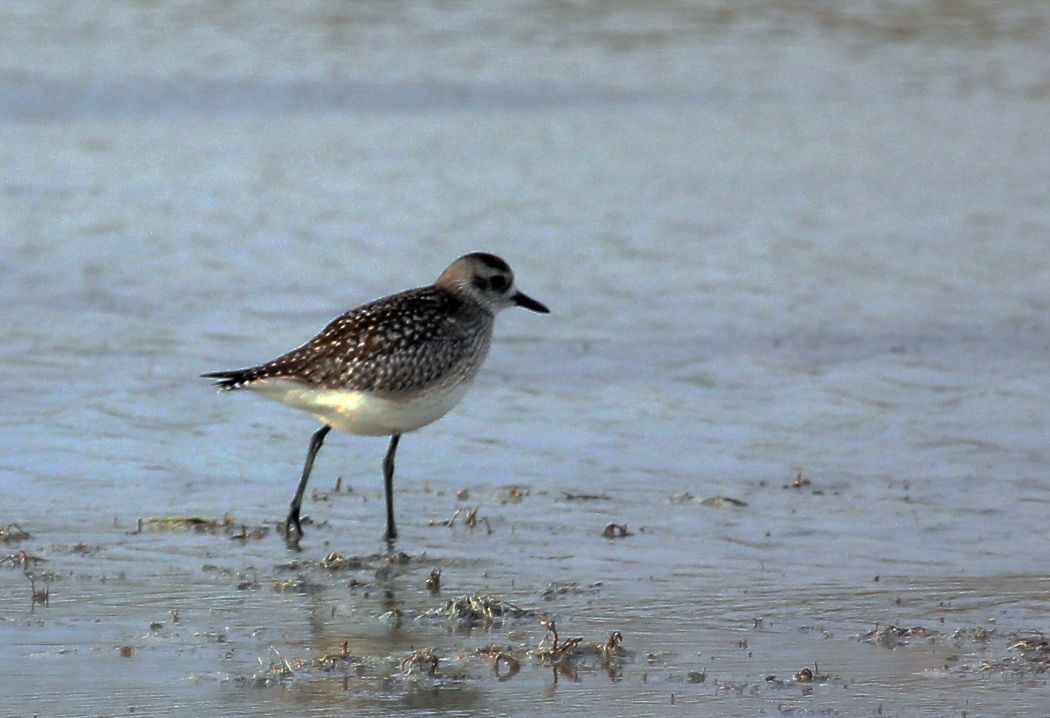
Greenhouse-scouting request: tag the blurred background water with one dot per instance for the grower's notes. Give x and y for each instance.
(776, 237)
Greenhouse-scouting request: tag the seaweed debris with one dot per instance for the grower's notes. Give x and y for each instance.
(476, 609)
(12, 533)
(893, 636)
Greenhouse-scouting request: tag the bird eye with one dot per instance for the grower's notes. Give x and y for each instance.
(499, 283)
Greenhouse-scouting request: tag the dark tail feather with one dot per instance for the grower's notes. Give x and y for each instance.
(229, 380)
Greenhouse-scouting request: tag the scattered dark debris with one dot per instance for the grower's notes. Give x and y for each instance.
(248, 579)
(501, 656)
(337, 490)
(565, 657)
(125, 651)
(979, 634)
(21, 559)
(433, 582)
(738, 688)
(799, 482)
(554, 649)
(894, 636)
(571, 655)
(39, 597)
(331, 661)
(184, 522)
(425, 659)
(697, 676)
(714, 501)
(612, 531)
(212, 636)
(569, 496)
(395, 616)
(823, 631)
(12, 533)
(562, 588)
(470, 519)
(805, 676)
(336, 562)
(297, 585)
(720, 501)
(281, 667)
(1033, 653)
(512, 663)
(463, 495)
(449, 522)
(1029, 643)
(512, 494)
(226, 525)
(660, 658)
(253, 534)
(478, 609)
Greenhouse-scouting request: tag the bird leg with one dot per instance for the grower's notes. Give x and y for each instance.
(293, 514)
(388, 483)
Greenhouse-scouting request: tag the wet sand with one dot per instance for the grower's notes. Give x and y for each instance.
(723, 609)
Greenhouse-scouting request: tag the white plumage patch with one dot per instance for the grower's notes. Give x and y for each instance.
(357, 412)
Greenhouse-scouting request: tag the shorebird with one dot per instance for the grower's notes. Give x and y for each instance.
(391, 366)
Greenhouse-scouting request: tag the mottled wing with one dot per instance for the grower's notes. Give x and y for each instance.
(390, 346)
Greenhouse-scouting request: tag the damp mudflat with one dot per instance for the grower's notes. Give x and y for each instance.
(779, 449)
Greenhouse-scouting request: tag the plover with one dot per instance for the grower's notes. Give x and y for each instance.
(391, 366)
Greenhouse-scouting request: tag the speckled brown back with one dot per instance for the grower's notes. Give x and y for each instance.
(400, 344)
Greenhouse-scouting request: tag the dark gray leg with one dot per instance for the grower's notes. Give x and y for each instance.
(293, 514)
(388, 483)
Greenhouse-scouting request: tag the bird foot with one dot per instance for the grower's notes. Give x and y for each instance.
(293, 521)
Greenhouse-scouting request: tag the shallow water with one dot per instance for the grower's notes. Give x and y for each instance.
(777, 238)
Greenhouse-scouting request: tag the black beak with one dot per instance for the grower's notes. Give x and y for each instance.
(524, 300)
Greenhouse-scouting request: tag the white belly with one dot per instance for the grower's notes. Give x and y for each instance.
(356, 412)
